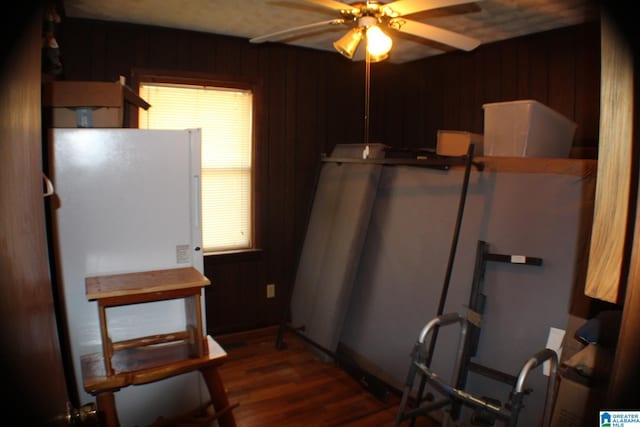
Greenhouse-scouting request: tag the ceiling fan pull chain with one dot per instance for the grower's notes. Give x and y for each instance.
(367, 87)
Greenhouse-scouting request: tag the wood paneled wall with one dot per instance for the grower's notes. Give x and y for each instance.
(314, 100)
(559, 68)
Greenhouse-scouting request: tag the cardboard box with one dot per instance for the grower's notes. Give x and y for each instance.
(526, 128)
(87, 117)
(90, 104)
(456, 143)
(576, 405)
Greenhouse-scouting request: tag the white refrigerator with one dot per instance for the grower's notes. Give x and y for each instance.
(126, 200)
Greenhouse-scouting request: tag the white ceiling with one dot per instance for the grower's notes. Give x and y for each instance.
(487, 20)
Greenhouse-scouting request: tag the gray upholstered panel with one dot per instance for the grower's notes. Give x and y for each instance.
(333, 243)
(405, 256)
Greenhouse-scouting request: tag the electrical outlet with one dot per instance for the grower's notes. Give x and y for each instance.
(271, 290)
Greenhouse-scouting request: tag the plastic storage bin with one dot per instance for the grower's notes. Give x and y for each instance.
(526, 128)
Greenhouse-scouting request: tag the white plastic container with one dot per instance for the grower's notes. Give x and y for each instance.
(526, 128)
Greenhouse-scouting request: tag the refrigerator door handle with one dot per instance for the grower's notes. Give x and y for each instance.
(49, 190)
(196, 201)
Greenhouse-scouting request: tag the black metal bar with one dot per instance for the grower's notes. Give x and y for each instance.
(297, 331)
(377, 387)
(513, 259)
(447, 278)
(476, 308)
(424, 410)
(477, 299)
(477, 302)
(441, 163)
(495, 374)
(461, 397)
(453, 249)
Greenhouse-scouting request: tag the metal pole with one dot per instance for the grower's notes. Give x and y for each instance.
(367, 89)
(447, 277)
(454, 247)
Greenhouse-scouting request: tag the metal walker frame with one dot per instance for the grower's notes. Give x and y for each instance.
(470, 328)
(457, 396)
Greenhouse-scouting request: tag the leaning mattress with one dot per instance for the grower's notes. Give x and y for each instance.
(333, 243)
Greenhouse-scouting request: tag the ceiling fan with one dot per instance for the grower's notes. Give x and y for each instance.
(365, 20)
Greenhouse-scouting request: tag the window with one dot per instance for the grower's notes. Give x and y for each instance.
(225, 115)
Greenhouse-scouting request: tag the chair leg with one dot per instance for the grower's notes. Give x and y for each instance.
(218, 395)
(107, 413)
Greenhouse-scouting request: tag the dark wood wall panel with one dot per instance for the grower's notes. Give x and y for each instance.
(310, 130)
(234, 283)
(466, 66)
(311, 100)
(558, 68)
(382, 97)
(345, 108)
(452, 102)
(491, 74)
(283, 162)
(587, 98)
(562, 77)
(538, 70)
(522, 60)
(509, 71)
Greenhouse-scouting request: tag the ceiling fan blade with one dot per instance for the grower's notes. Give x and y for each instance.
(407, 7)
(332, 4)
(291, 31)
(436, 34)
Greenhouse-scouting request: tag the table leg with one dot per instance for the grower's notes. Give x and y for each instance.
(107, 413)
(218, 395)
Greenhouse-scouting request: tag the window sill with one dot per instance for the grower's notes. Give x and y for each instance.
(233, 256)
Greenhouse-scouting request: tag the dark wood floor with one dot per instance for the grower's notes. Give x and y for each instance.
(294, 387)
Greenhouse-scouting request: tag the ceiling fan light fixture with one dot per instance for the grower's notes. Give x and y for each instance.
(348, 43)
(378, 43)
(377, 58)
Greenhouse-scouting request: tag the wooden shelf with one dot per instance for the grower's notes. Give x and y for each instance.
(152, 358)
(143, 287)
(144, 365)
(146, 282)
(576, 167)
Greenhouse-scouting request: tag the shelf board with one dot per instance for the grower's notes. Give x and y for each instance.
(146, 282)
(142, 365)
(575, 167)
